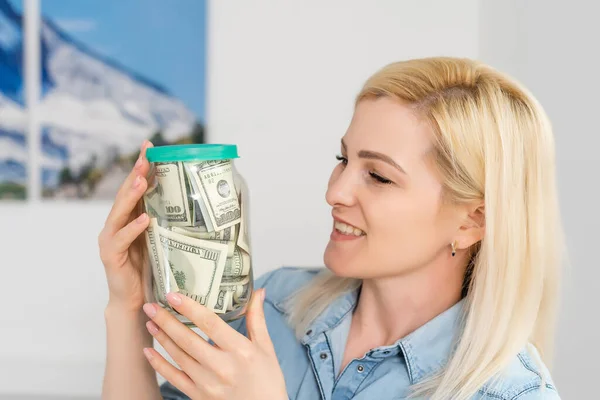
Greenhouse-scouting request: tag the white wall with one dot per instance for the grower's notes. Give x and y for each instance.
(282, 77)
(552, 47)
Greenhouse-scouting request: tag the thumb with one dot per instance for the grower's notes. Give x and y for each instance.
(255, 320)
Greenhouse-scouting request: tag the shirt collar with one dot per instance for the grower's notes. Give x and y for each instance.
(426, 350)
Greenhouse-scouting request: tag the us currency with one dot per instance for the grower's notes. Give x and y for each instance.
(156, 259)
(226, 236)
(163, 276)
(197, 265)
(240, 290)
(237, 265)
(238, 293)
(202, 233)
(152, 202)
(201, 213)
(235, 281)
(232, 289)
(219, 201)
(224, 300)
(171, 187)
(228, 298)
(242, 238)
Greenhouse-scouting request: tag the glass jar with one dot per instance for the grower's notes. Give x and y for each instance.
(197, 241)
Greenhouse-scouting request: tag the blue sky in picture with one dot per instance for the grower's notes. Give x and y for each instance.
(164, 41)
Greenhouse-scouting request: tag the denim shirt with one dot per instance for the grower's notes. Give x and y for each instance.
(311, 366)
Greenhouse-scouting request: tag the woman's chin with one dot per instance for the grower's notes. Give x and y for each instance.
(338, 266)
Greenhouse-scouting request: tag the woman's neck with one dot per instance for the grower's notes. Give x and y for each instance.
(390, 308)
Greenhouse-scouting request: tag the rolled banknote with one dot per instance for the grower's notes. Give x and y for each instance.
(237, 265)
(224, 300)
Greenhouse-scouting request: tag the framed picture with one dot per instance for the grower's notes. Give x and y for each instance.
(113, 73)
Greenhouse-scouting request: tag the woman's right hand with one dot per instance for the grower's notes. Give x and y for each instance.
(122, 248)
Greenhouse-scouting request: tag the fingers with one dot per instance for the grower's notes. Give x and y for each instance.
(129, 194)
(126, 236)
(122, 209)
(208, 322)
(141, 167)
(178, 378)
(189, 365)
(184, 337)
(256, 323)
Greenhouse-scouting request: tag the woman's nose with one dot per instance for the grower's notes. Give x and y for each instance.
(341, 189)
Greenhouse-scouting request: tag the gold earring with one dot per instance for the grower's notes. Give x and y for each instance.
(453, 249)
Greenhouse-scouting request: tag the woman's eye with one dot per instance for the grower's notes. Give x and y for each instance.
(342, 159)
(380, 178)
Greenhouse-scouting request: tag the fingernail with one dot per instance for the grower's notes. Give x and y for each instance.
(148, 354)
(137, 181)
(150, 310)
(138, 163)
(152, 327)
(174, 298)
(263, 293)
(142, 218)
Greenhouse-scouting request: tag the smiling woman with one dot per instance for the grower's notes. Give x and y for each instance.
(441, 269)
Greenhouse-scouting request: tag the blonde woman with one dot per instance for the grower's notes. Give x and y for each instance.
(441, 270)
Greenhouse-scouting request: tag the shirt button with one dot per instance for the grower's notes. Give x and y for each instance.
(308, 332)
(386, 352)
(360, 368)
(323, 356)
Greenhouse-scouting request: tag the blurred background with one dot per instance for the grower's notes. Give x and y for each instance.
(84, 82)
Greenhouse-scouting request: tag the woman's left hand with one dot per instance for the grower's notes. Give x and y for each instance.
(236, 368)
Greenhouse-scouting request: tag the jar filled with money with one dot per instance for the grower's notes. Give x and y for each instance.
(197, 241)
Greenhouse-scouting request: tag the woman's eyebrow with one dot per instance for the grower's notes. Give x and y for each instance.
(373, 155)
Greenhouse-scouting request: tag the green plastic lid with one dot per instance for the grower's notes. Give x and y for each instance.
(191, 152)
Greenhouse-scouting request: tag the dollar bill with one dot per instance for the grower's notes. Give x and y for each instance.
(215, 184)
(156, 259)
(156, 291)
(164, 278)
(197, 265)
(224, 299)
(225, 236)
(172, 188)
(202, 233)
(235, 281)
(229, 297)
(237, 265)
(239, 291)
(152, 202)
(242, 239)
(201, 218)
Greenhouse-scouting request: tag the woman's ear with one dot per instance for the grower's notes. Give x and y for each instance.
(472, 229)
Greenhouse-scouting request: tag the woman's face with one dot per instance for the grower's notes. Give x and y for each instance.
(386, 196)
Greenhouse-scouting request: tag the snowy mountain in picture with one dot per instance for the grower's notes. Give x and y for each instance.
(94, 112)
(94, 115)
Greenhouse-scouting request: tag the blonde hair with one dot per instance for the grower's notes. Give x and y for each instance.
(492, 141)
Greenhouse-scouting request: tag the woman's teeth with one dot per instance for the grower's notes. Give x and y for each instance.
(348, 229)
